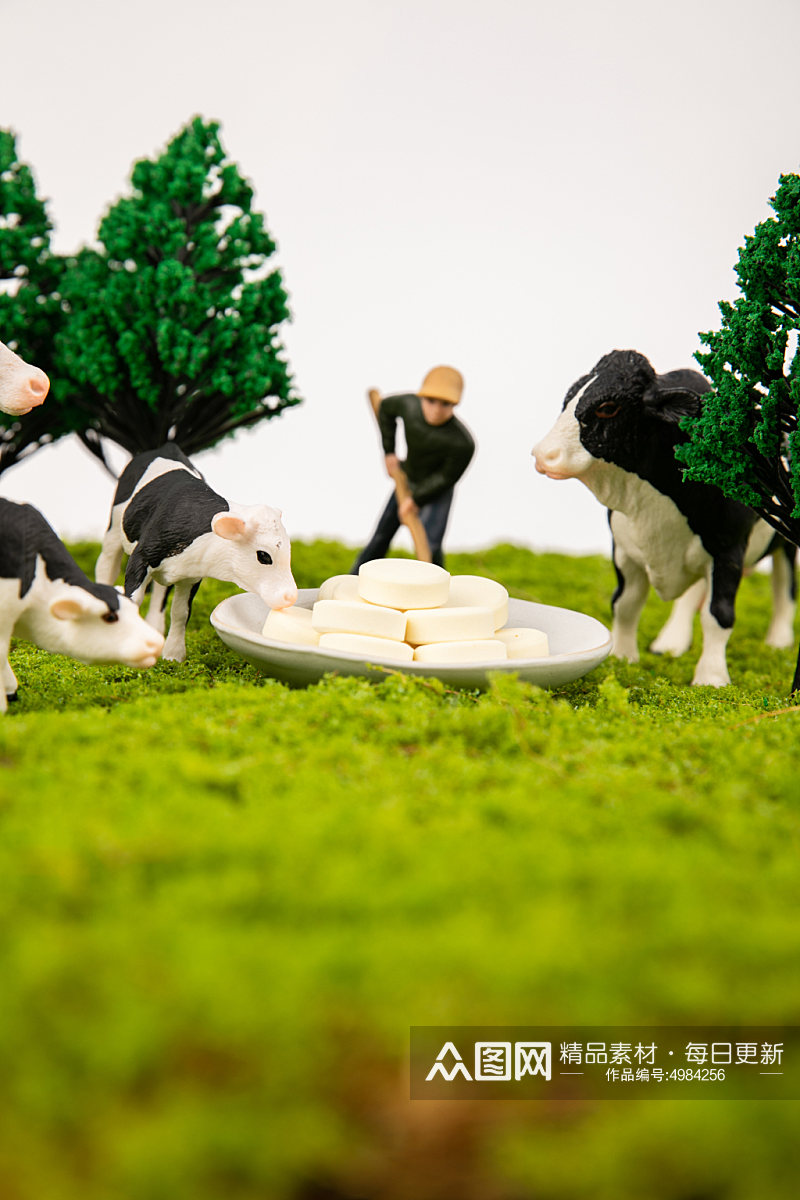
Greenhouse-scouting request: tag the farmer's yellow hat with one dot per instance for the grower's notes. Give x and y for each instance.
(443, 383)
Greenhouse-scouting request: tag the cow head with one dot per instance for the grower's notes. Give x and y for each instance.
(93, 623)
(607, 415)
(255, 553)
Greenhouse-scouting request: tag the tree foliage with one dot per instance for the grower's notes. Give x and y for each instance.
(172, 330)
(746, 440)
(30, 309)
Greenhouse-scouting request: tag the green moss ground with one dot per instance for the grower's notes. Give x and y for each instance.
(224, 902)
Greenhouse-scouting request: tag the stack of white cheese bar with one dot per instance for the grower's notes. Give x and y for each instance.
(402, 610)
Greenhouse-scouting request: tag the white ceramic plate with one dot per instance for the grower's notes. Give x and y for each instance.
(577, 644)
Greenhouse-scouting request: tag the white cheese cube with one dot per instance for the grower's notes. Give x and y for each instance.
(374, 649)
(480, 650)
(339, 587)
(477, 590)
(449, 624)
(290, 625)
(403, 583)
(524, 643)
(347, 616)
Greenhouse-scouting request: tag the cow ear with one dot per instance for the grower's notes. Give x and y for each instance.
(68, 608)
(672, 404)
(226, 525)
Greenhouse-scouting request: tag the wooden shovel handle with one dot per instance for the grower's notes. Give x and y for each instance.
(402, 491)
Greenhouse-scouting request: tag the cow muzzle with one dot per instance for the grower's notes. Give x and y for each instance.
(38, 387)
(551, 461)
(150, 651)
(285, 601)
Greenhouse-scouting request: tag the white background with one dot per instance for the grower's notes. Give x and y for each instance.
(512, 187)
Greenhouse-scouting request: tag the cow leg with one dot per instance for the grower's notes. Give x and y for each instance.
(156, 613)
(8, 680)
(676, 636)
(175, 645)
(109, 563)
(716, 618)
(781, 630)
(627, 604)
(712, 666)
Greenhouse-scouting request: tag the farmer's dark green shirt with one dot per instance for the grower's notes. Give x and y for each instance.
(438, 455)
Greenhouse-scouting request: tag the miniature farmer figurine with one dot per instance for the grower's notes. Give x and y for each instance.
(439, 451)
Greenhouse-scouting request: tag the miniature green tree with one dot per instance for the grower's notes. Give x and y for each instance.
(30, 310)
(746, 439)
(172, 328)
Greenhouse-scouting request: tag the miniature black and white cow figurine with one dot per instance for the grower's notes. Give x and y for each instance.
(46, 598)
(178, 532)
(617, 433)
(22, 387)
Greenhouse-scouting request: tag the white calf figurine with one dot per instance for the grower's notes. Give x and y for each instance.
(178, 532)
(22, 387)
(46, 598)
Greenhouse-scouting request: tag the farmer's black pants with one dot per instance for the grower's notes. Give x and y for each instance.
(434, 520)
